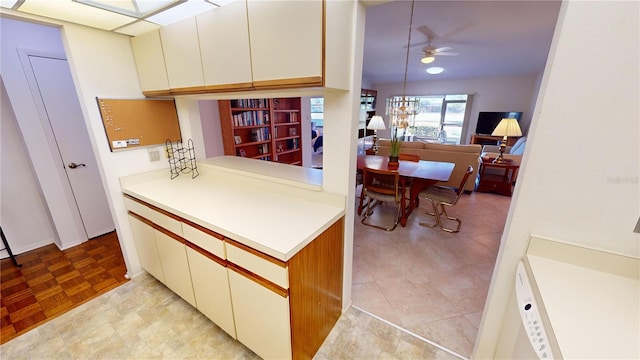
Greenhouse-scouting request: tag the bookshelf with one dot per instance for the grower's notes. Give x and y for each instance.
(265, 129)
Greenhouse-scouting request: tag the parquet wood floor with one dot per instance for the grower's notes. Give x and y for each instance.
(52, 282)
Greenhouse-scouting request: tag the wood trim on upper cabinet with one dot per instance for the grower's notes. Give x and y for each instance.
(289, 83)
(157, 93)
(316, 307)
(228, 87)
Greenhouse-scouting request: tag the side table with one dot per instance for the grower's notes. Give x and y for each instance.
(497, 178)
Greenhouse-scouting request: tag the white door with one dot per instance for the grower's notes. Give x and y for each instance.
(60, 100)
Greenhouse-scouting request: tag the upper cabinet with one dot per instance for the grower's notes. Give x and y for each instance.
(181, 49)
(257, 44)
(286, 42)
(152, 73)
(224, 46)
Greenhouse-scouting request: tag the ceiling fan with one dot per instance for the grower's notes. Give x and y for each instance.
(430, 51)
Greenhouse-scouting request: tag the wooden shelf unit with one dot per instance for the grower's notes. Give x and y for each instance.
(265, 129)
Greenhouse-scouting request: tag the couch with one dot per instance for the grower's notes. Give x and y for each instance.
(513, 153)
(461, 155)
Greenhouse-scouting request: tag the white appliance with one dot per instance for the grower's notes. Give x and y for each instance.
(526, 330)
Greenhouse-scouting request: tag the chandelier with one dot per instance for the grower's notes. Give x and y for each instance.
(402, 110)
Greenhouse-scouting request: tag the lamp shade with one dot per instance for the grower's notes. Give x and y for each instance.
(507, 127)
(376, 123)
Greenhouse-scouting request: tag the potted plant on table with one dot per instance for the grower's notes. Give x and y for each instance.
(394, 152)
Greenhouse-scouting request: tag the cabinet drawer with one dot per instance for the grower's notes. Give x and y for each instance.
(207, 240)
(274, 271)
(154, 216)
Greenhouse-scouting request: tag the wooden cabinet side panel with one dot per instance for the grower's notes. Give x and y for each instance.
(315, 276)
(175, 266)
(147, 51)
(226, 127)
(182, 54)
(276, 31)
(211, 290)
(144, 238)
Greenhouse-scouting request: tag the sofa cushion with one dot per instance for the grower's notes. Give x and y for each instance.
(518, 147)
(473, 148)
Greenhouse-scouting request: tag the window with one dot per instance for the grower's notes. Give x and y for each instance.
(317, 111)
(440, 118)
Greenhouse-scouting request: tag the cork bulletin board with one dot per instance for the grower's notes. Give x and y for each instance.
(135, 123)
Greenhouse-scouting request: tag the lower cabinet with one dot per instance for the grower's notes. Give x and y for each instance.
(145, 240)
(279, 309)
(173, 257)
(261, 316)
(211, 288)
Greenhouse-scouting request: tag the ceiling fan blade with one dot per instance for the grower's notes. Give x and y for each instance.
(444, 48)
(427, 31)
(446, 53)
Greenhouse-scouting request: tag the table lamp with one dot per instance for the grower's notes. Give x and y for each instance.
(376, 123)
(506, 128)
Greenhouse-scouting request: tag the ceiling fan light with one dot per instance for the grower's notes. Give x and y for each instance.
(428, 59)
(435, 70)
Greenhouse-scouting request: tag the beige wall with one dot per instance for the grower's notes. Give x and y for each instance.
(579, 179)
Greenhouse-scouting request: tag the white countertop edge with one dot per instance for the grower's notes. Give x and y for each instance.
(306, 178)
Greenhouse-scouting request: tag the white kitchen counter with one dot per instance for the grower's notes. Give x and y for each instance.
(592, 299)
(274, 208)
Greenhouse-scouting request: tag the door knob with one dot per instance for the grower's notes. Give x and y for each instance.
(74, 165)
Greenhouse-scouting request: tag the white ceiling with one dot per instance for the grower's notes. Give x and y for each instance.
(492, 38)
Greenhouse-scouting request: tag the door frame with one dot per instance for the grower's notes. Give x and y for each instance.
(60, 200)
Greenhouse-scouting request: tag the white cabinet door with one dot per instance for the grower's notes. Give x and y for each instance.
(173, 257)
(261, 317)
(224, 43)
(144, 238)
(211, 289)
(147, 50)
(278, 33)
(182, 54)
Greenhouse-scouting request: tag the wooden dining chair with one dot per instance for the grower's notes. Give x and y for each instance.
(442, 197)
(380, 186)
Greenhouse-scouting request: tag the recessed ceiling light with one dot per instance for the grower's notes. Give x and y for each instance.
(434, 70)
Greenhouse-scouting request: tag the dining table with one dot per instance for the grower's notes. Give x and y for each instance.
(417, 175)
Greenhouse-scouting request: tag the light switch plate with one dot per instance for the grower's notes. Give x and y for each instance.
(154, 155)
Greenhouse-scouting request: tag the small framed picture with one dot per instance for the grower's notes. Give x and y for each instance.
(242, 152)
(293, 131)
(237, 139)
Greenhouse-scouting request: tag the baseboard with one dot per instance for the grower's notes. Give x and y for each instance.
(23, 249)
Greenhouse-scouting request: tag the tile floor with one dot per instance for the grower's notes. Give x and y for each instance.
(410, 285)
(427, 281)
(143, 319)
